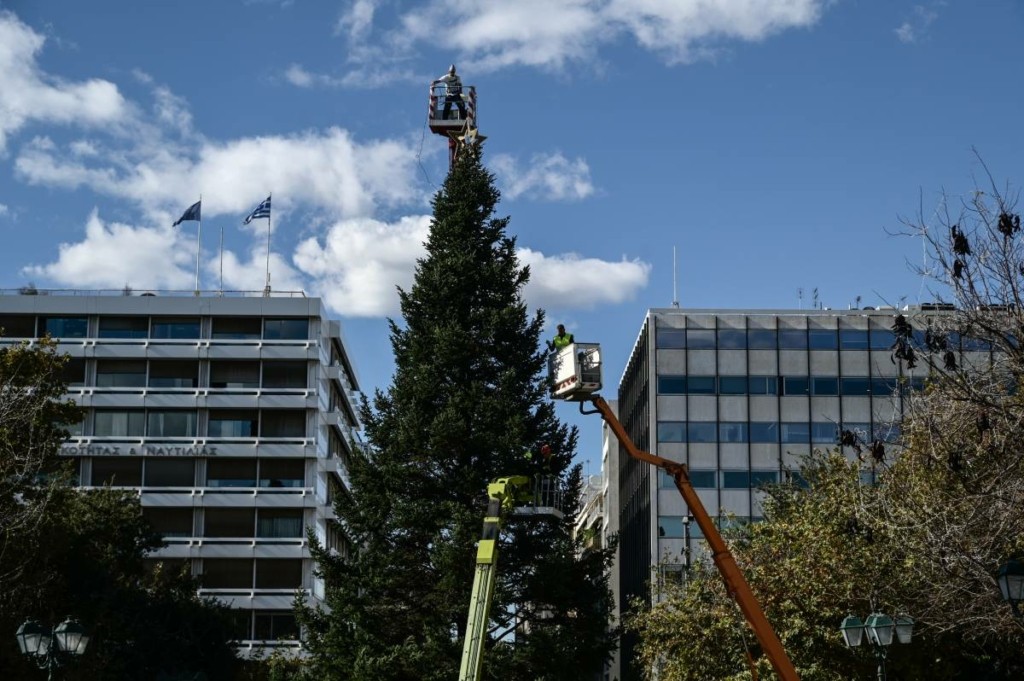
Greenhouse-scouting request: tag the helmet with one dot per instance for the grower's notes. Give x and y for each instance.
(451, 70)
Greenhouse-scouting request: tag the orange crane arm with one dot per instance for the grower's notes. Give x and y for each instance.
(735, 583)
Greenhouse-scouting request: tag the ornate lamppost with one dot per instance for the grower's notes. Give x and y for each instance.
(879, 628)
(1011, 584)
(50, 648)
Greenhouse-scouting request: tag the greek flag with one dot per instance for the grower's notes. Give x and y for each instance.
(193, 213)
(262, 211)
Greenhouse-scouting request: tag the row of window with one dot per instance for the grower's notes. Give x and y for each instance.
(770, 432)
(124, 373)
(158, 471)
(238, 523)
(183, 423)
(667, 338)
(786, 385)
(680, 527)
(157, 328)
(249, 573)
(722, 479)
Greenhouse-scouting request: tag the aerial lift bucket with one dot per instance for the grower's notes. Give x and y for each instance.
(574, 372)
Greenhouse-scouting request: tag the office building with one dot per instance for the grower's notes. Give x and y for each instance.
(231, 415)
(740, 397)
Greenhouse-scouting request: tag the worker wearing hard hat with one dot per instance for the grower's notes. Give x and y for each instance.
(452, 93)
(546, 458)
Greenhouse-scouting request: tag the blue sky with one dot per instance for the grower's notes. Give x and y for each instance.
(772, 142)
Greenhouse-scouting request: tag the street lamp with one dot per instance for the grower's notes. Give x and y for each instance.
(880, 629)
(47, 647)
(1011, 583)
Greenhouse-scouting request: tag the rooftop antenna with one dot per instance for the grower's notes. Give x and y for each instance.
(800, 298)
(814, 298)
(675, 295)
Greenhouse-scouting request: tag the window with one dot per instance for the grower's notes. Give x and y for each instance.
(671, 385)
(732, 432)
(700, 385)
(824, 433)
(761, 339)
(175, 327)
(170, 472)
(284, 374)
(124, 327)
(881, 339)
(764, 432)
(278, 523)
(117, 471)
(236, 328)
(671, 431)
(229, 522)
(703, 479)
(735, 479)
(282, 472)
(109, 423)
(279, 573)
(732, 339)
(286, 329)
(171, 424)
(763, 385)
(666, 338)
(884, 386)
(732, 385)
(227, 573)
(17, 326)
(233, 423)
(796, 433)
(822, 339)
(231, 472)
(112, 373)
(887, 432)
(853, 339)
(824, 385)
(701, 432)
(855, 385)
(283, 423)
(169, 522)
(234, 374)
(73, 372)
(795, 385)
(64, 327)
(792, 339)
(271, 625)
(700, 339)
(173, 374)
(761, 478)
(671, 526)
(861, 430)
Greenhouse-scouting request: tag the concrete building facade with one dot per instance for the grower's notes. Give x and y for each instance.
(232, 417)
(740, 397)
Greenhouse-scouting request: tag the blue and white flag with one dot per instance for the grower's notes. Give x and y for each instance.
(262, 211)
(193, 213)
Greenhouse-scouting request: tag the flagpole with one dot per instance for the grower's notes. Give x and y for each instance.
(222, 259)
(266, 290)
(199, 242)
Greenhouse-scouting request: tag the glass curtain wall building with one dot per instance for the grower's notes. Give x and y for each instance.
(740, 397)
(232, 416)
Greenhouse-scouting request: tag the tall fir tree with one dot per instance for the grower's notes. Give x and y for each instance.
(468, 398)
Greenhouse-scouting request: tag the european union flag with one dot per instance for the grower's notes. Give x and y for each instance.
(192, 213)
(262, 211)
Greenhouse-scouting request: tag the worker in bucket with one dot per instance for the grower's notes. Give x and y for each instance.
(561, 339)
(452, 93)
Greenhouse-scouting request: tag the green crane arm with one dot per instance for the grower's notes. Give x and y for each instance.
(502, 495)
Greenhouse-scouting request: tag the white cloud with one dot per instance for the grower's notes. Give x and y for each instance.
(915, 28)
(358, 263)
(573, 281)
(551, 177)
(495, 34)
(113, 254)
(251, 275)
(357, 20)
(4, 210)
(29, 95)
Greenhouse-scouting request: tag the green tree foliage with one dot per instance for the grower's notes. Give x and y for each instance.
(920, 529)
(82, 554)
(467, 399)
